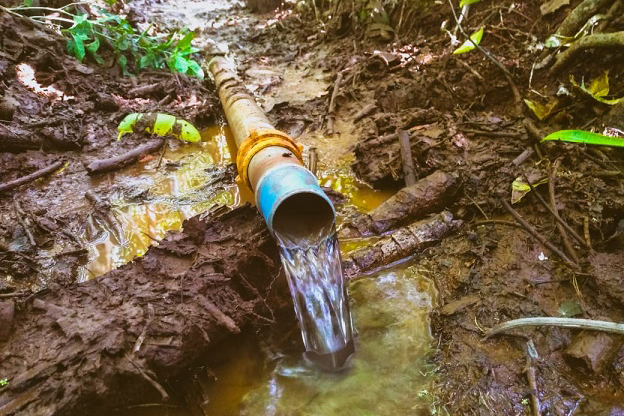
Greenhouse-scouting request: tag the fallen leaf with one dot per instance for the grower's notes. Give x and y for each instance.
(542, 110)
(598, 88)
(469, 44)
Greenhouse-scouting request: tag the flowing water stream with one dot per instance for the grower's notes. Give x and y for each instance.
(313, 268)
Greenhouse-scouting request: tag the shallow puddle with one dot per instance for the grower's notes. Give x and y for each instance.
(152, 201)
(389, 374)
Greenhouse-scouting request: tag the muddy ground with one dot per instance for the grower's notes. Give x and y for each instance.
(463, 120)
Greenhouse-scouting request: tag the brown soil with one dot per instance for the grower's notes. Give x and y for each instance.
(118, 340)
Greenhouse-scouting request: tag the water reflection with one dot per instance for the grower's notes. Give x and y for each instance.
(151, 201)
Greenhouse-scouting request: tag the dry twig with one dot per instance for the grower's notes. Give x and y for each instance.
(31, 177)
(539, 237)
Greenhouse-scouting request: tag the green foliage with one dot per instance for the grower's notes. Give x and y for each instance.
(463, 3)
(86, 37)
(587, 137)
(469, 44)
(161, 124)
(4, 382)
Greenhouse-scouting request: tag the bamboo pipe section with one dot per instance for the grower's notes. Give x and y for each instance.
(298, 214)
(269, 162)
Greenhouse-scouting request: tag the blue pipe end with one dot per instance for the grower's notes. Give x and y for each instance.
(291, 201)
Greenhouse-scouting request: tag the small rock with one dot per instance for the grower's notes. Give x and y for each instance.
(593, 351)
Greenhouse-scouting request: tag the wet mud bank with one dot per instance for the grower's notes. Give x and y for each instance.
(126, 336)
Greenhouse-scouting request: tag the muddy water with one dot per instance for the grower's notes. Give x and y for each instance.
(153, 201)
(388, 375)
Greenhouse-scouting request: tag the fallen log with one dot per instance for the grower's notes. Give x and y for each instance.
(123, 160)
(122, 339)
(403, 243)
(17, 140)
(412, 202)
(7, 186)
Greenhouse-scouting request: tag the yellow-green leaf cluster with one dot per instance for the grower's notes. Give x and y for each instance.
(598, 88)
(160, 124)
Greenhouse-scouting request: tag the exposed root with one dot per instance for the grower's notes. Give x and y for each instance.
(590, 324)
(577, 18)
(598, 40)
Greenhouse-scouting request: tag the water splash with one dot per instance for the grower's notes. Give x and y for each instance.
(317, 285)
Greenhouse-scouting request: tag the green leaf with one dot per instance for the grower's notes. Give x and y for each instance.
(469, 44)
(123, 63)
(93, 46)
(28, 3)
(123, 43)
(463, 3)
(180, 64)
(146, 61)
(79, 49)
(185, 42)
(580, 136)
(195, 69)
(570, 309)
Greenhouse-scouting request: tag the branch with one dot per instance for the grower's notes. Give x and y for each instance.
(508, 76)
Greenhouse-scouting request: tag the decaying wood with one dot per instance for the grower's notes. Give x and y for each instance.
(313, 160)
(424, 197)
(120, 161)
(409, 173)
(403, 243)
(144, 90)
(7, 186)
(71, 350)
(367, 110)
(331, 112)
(13, 139)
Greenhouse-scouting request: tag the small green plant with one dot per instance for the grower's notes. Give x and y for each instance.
(4, 382)
(86, 37)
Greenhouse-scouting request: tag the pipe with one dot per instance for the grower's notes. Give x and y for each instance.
(296, 210)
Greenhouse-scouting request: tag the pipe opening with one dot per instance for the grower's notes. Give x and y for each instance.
(303, 219)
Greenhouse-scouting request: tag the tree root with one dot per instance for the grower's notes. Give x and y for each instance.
(577, 18)
(589, 324)
(598, 40)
